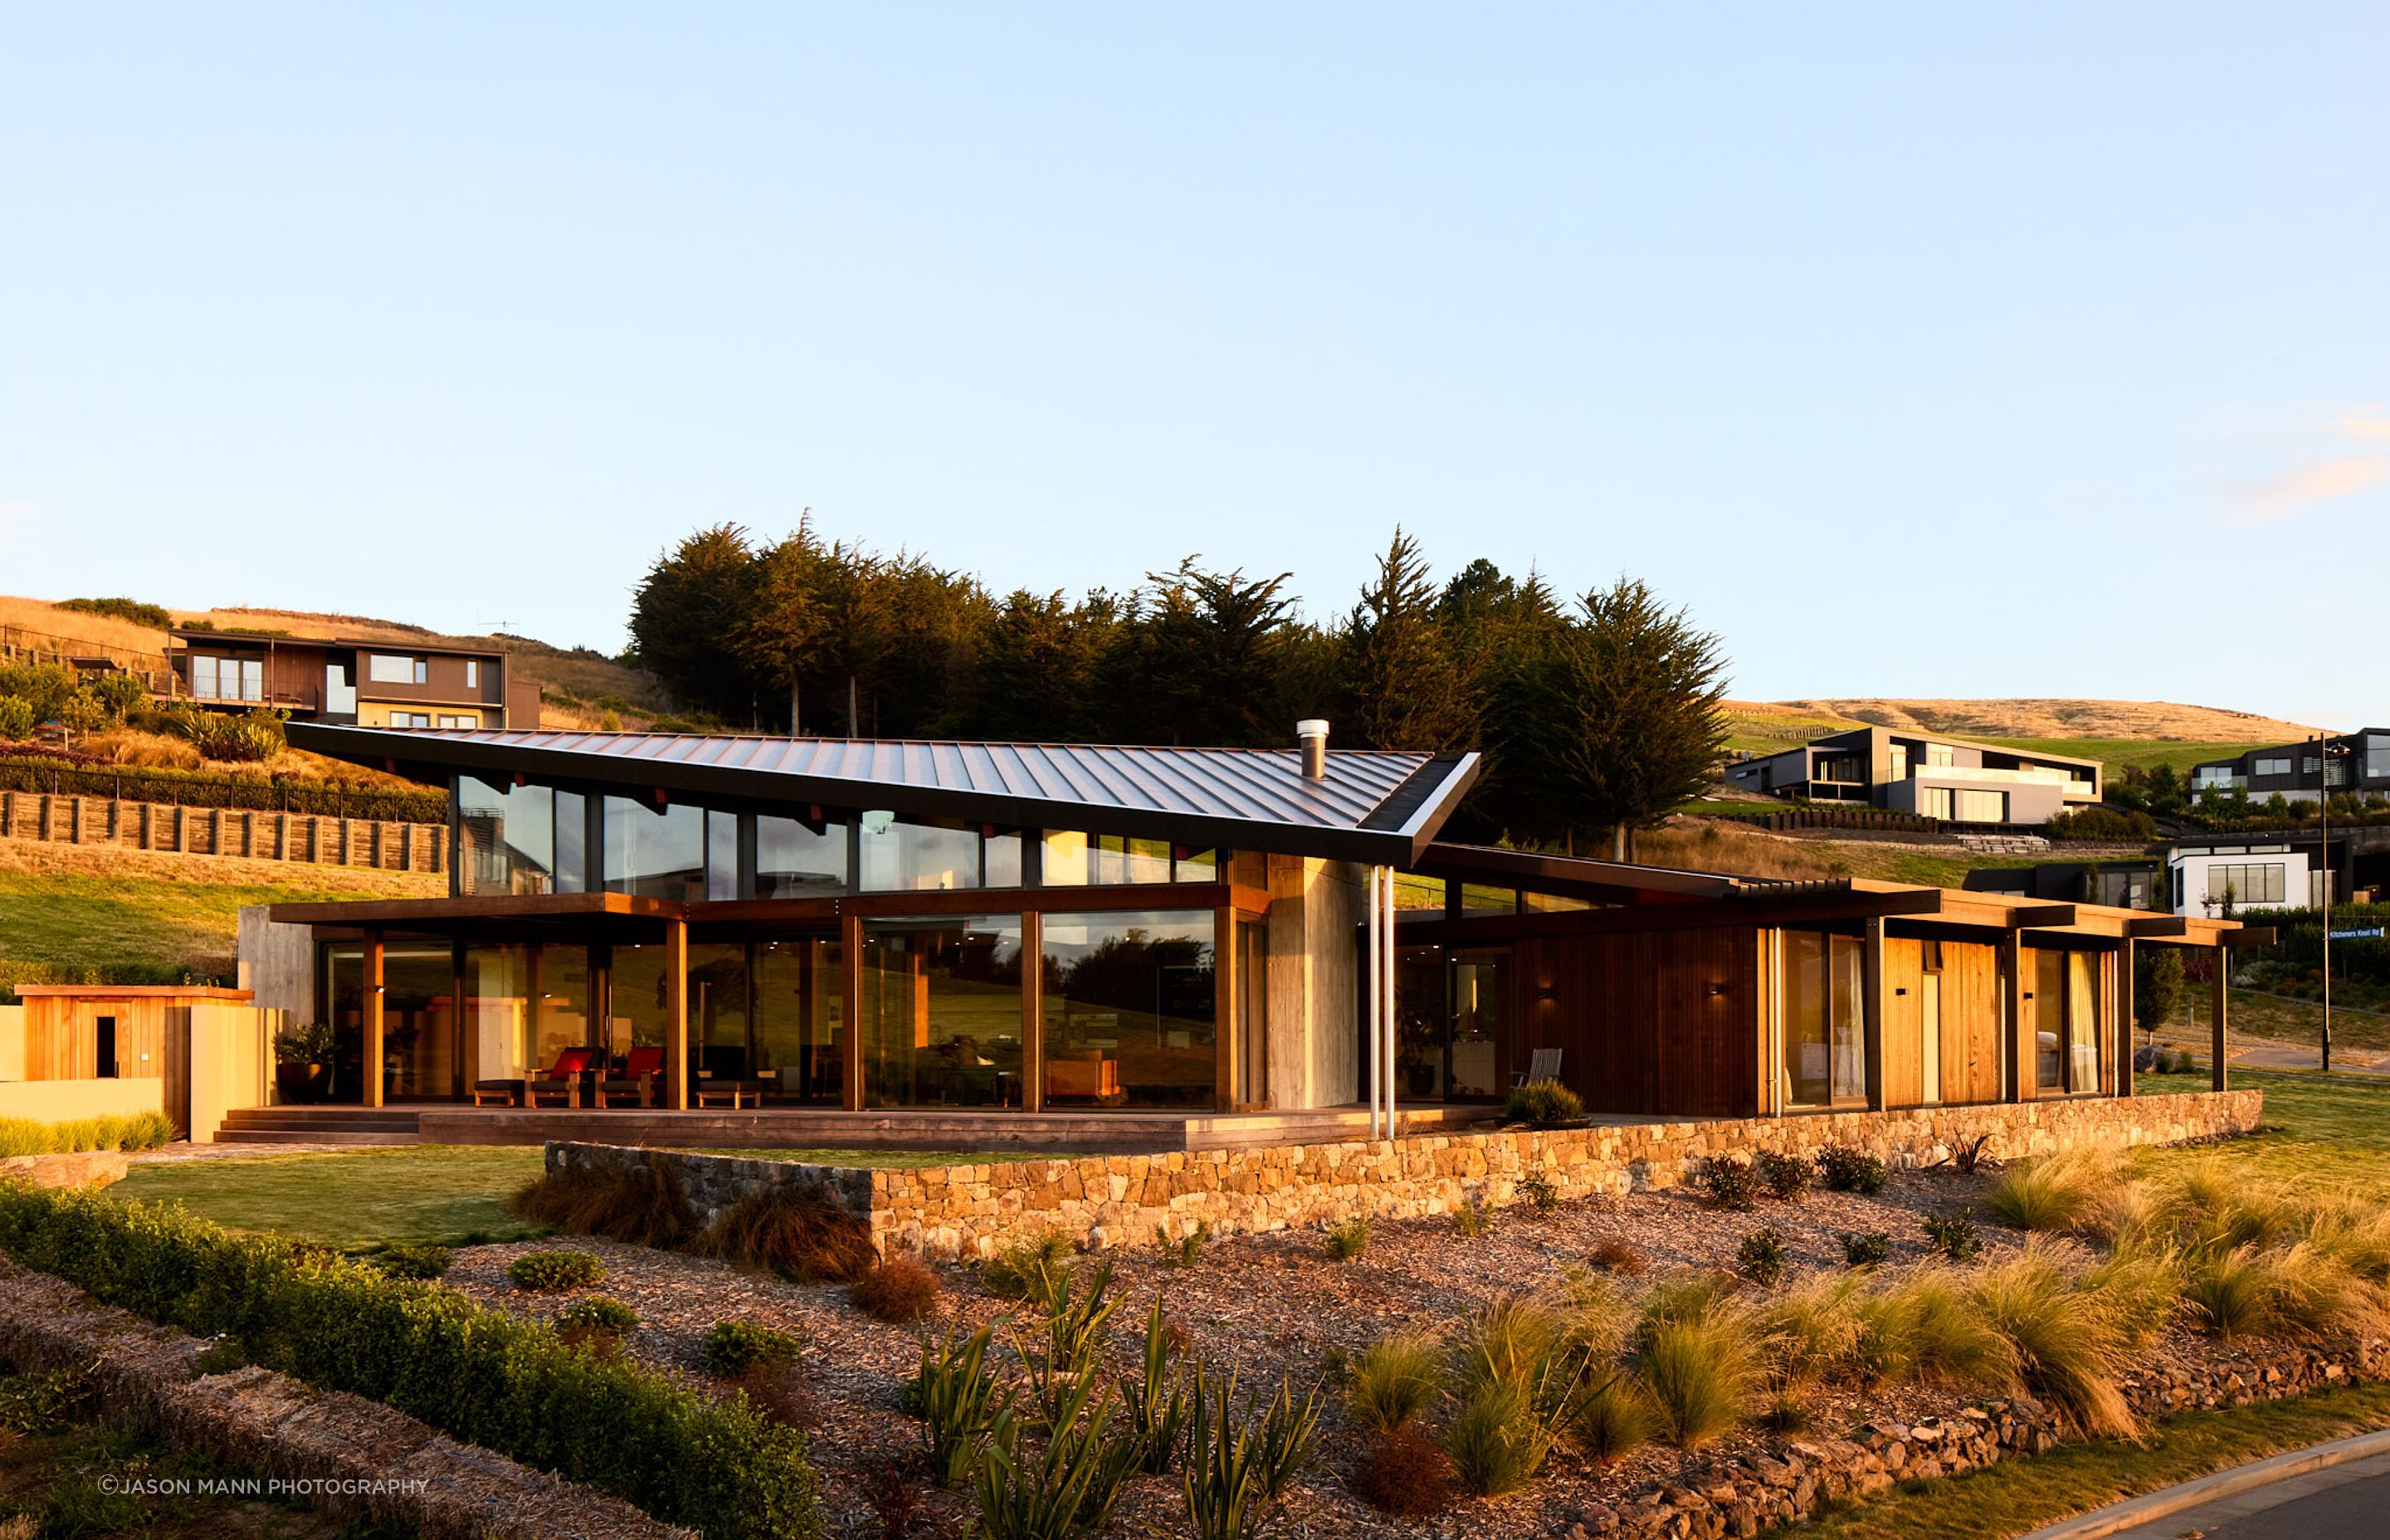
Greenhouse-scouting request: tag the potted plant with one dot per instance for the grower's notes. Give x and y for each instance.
(301, 1055)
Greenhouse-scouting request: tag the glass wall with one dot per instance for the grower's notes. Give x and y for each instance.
(1824, 1029)
(420, 1048)
(1423, 1021)
(718, 1015)
(1253, 1088)
(916, 857)
(2066, 1012)
(2083, 1021)
(721, 854)
(800, 1040)
(1481, 1015)
(654, 851)
(791, 861)
(1129, 1009)
(507, 838)
(2049, 1020)
(571, 842)
(636, 998)
(941, 1011)
(497, 1009)
(561, 1016)
(343, 990)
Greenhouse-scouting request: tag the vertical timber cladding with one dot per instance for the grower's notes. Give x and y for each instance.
(1661, 1021)
(1968, 989)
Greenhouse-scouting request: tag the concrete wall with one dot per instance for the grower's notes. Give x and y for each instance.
(2189, 875)
(12, 1043)
(62, 1100)
(276, 963)
(231, 1063)
(1315, 1047)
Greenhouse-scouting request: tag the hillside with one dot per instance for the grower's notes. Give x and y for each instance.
(2140, 720)
(580, 673)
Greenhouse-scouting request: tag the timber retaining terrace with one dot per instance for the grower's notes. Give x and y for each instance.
(316, 838)
(966, 1211)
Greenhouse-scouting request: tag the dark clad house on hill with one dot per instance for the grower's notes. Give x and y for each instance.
(373, 684)
(889, 939)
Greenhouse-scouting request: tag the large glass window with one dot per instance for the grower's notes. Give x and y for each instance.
(419, 1026)
(1480, 1017)
(793, 861)
(571, 842)
(1074, 860)
(916, 857)
(508, 837)
(1421, 1020)
(721, 854)
(800, 1000)
(941, 1007)
(2082, 1022)
(654, 851)
(203, 676)
(1824, 1024)
(636, 999)
(497, 1009)
(560, 1014)
(2050, 1019)
(1982, 807)
(1129, 1018)
(718, 1015)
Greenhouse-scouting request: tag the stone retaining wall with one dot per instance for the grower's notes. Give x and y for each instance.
(964, 1211)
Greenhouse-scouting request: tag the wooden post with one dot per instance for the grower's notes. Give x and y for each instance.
(676, 1014)
(1228, 987)
(371, 1092)
(2019, 1046)
(851, 946)
(1033, 1012)
(1873, 985)
(2123, 1036)
(1761, 1011)
(2217, 1008)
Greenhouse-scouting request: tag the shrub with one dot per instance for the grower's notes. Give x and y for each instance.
(1784, 1176)
(1927, 1327)
(411, 1262)
(1845, 1169)
(1237, 1472)
(895, 1499)
(1156, 1399)
(155, 616)
(482, 1377)
(1698, 1374)
(1544, 1103)
(1402, 1472)
(1396, 1380)
(897, 1290)
(2057, 1192)
(645, 1206)
(2064, 1344)
(1613, 1420)
(1073, 1335)
(1761, 1256)
(798, 1233)
(1865, 1247)
(1468, 1217)
(1348, 1240)
(780, 1395)
(1952, 1233)
(1067, 1488)
(1187, 1249)
(17, 719)
(1540, 1190)
(552, 1272)
(1514, 1341)
(732, 1348)
(1032, 1268)
(1497, 1441)
(1727, 1183)
(597, 1324)
(1618, 1256)
(1809, 1333)
(957, 1399)
(44, 1401)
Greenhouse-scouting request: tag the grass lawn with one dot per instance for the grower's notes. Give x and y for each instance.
(90, 906)
(2291, 1020)
(371, 1197)
(2018, 1495)
(2319, 1128)
(2116, 753)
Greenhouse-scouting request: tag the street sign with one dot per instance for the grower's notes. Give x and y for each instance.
(2361, 932)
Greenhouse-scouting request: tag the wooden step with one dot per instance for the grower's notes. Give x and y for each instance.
(342, 1137)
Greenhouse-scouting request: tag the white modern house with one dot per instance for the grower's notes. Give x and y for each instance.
(2257, 876)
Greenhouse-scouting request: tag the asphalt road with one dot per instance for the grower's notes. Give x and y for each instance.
(2346, 1502)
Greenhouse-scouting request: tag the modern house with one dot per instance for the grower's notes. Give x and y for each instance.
(2133, 882)
(2358, 762)
(372, 684)
(837, 938)
(1948, 779)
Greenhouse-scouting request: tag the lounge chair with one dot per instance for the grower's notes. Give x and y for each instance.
(642, 1070)
(564, 1081)
(1543, 1064)
(718, 1090)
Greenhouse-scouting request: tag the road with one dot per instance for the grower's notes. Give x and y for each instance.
(2346, 1502)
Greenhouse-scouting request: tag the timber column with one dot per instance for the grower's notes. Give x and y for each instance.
(370, 1093)
(2124, 1032)
(676, 1014)
(1871, 985)
(2216, 991)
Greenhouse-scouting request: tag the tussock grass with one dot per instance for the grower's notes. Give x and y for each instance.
(1396, 1380)
(645, 1207)
(1036, 1268)
(795, 1232)
(140, 1131)
(1810, 1332)
(1613, 1420)
(2066, 1344)
(2071, 1192)
(1514, 1341)
(1498, 1441)
(1699, 1375)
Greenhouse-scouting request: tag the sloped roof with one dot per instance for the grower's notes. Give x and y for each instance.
(1380, 806)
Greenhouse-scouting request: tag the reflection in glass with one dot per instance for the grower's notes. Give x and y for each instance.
(654, 851)
(1824, 1028)
(717, 1011)
(571, 842)
(2083, 1032)
(1421, 1020)
(941, 1007)
(800, 998)
(721, 854)
(1129, 1015)
(2050, 1019)
(1002, 854)
(916, 857)
(506, 838)
(1074, 860)
(497, 1007)
(1481, 1012)
(791, 861)
(635, 997)
(419, 1028)
(560, 1014)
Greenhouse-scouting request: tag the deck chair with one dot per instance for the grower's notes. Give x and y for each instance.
(564, 1080)
(642, 1068)
(1543, 1064)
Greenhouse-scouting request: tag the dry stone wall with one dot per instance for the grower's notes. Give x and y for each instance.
(1099, 1201)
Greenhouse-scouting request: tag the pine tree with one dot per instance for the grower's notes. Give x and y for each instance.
(1638, 728)
(1401, 684)
(686, 615)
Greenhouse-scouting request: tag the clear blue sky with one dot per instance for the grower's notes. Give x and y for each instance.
(2040, 351)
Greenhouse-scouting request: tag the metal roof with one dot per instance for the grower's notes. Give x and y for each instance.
(1378, 806)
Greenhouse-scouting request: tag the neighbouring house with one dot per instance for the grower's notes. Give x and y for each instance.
(2130, 883)
(371, 683)
(1948, 779)
(2358, 762)
(2246, 871)
(952, 941)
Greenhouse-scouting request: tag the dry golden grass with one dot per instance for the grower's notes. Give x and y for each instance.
(2059, 718)
(136, 748)
(100, 632)
(117, 868)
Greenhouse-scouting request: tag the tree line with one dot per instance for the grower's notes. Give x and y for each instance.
(1597, 710)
